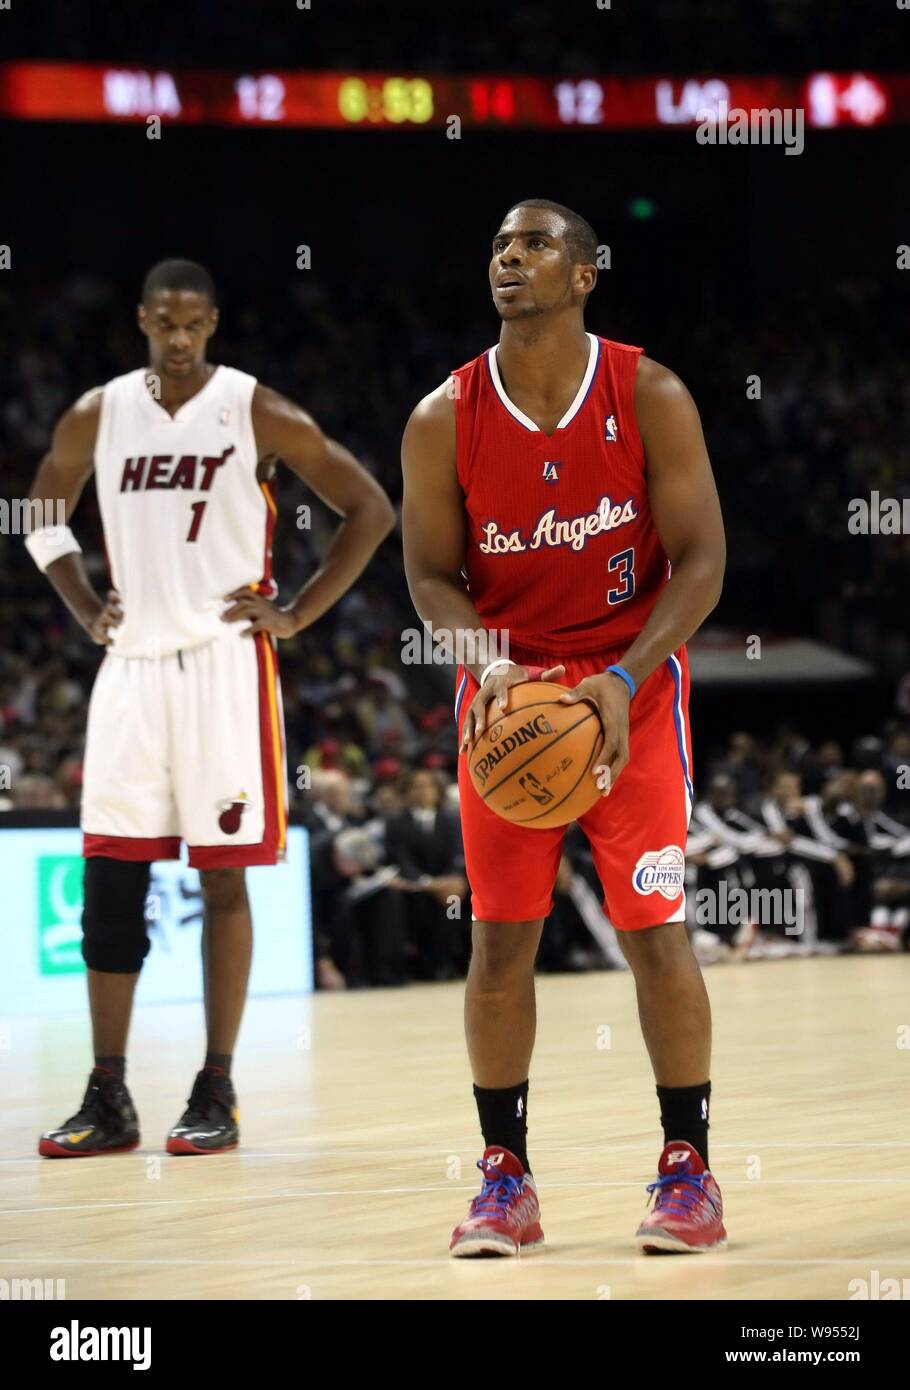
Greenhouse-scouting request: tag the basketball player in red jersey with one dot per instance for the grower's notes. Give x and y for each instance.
(558, 491)
(185, 734)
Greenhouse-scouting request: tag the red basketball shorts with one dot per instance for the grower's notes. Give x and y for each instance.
(637, 833)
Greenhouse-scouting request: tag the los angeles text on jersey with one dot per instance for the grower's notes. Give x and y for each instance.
(193, 472)
(550, 530)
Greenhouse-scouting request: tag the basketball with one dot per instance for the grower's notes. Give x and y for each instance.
(533, 764)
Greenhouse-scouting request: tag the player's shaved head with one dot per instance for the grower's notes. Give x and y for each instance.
(580, 237)
(178, 275)
(178, 315)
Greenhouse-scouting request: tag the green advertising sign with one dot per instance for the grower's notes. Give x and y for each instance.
(60, 914)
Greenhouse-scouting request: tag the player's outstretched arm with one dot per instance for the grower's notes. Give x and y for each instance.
(433, 532)
(61, 476)
(686, 512)
(284, 431)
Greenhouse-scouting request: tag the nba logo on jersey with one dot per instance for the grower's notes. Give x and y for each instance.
(224, 417)
(550, 474)
(610, 429)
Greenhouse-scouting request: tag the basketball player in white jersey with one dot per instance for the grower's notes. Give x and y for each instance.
(185, 735)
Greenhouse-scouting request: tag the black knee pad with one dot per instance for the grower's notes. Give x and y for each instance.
(114, 937)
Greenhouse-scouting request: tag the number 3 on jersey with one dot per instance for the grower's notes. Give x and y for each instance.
(622, 566)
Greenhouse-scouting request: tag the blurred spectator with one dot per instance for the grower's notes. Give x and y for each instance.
(424, 841)
(357, 914)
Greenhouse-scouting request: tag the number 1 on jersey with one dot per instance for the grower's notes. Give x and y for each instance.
(623, 566)
(197, 509)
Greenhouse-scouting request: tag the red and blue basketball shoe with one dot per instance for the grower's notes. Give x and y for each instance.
(504, 1218)
(687, 1217)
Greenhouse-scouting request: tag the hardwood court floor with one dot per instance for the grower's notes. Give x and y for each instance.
(359, 1143)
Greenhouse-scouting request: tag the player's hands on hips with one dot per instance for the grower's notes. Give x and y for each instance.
(496, 687)
(109, 616)
(610, 697)
(262, 614)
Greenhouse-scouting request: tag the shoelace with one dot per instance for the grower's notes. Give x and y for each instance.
(497, 1192)
(679, 1194)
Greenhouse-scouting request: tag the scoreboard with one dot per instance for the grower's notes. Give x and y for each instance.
(414, 101)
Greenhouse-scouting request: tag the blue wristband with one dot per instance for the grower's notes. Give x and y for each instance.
(623, 676)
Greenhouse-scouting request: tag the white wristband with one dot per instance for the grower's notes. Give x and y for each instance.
(503, 661)
(51, 543)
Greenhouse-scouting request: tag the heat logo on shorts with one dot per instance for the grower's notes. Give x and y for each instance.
(231, 813)
(660, 871)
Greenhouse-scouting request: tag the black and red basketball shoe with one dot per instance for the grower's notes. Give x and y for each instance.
(210, 1123)
(105, 1123)
(504, 1217)
(687, 1217)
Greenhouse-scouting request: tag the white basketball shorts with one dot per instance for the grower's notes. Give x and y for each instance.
(188, 747)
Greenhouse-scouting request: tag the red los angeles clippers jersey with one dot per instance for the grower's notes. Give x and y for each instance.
(561, 550)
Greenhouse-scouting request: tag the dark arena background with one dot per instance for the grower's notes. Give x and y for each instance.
(340, 170)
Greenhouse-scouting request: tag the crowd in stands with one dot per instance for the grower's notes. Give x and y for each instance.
(377, 738)
(727, 35)
(794, 849)
(797, 849)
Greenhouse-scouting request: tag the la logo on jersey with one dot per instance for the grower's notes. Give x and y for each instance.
(550, 472)
(610, 429)
(660, 871)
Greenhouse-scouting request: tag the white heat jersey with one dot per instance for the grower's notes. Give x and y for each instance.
(185, 519)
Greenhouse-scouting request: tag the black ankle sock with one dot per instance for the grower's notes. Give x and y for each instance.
(117, 1065)
(684, 1115)
(220, 1061)
(504, 1118)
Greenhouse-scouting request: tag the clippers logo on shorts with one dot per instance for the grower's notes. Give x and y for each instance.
(525, 733)
(231, 813)
(660, 871)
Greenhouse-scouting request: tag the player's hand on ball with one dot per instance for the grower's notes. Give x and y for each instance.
(107, 618)
(262, 614)
(610, 697)
(497, 687)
